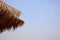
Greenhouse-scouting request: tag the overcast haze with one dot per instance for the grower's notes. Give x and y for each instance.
(42, 20)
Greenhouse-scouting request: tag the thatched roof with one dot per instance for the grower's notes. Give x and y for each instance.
(9, 17)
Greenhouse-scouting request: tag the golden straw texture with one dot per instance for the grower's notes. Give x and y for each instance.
(9, 17)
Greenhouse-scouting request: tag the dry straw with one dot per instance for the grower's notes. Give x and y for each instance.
(9, 17)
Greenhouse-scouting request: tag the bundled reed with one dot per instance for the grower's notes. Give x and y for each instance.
(9, 17)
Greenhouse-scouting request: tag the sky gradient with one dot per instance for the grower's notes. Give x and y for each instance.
(42, 20)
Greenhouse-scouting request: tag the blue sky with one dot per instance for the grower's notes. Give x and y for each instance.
(42, 20)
